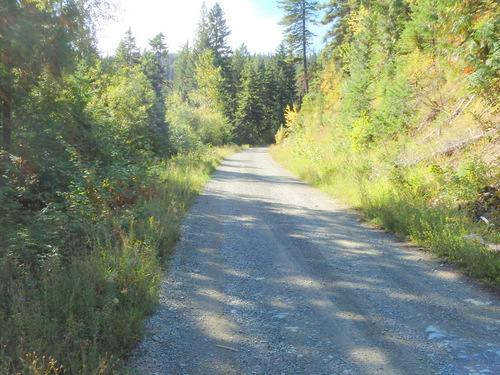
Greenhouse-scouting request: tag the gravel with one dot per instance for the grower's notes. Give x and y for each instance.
(273, 277)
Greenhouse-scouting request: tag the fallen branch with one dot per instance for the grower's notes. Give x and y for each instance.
(460, 145)
(495, 248)
(458, 112)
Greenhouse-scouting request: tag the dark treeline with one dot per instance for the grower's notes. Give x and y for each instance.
(219, 95)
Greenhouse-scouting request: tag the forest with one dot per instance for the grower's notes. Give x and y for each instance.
(101, 156)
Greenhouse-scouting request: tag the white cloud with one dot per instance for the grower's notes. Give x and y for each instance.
(177, 21)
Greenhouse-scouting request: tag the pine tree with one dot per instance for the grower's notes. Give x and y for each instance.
(184, 78)
(202, 41)
(299, 16)
(127, 52)
(250, 115)
(238, 60)
(218, 32)
(155, 64)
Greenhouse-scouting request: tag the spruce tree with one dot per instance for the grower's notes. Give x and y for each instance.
(238, 60)
(127, 52)
(184, 78)
(250, 115)
(202, 41)
(218, 32)
(154, 64)
(299, 16)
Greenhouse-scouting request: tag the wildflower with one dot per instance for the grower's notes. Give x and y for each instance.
(124, 291)
(116, 301)
(112, 277)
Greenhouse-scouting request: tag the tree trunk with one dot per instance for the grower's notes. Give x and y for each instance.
(304, 45)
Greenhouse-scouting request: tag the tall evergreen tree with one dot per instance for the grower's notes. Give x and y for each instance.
(283, 72)
(238, 60)
(155, 64)
(299, 16)
(184, 78)
(218, 32)
(202, 40)
(250, 115)
(212, 35)
(127, 52)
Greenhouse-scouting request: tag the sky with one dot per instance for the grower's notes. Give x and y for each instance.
(252, 22)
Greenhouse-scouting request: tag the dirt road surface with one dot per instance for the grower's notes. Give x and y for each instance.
(274, 277)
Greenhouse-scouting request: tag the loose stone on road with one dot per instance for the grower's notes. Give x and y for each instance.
(273, 277)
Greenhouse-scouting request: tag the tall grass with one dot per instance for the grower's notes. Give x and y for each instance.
(83, 314)
(425, 207)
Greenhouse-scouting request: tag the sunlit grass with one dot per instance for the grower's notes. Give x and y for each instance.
(417, 204)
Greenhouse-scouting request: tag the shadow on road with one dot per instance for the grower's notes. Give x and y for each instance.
(273, 277)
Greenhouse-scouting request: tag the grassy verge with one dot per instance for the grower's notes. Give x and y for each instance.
(81, 314)
(421, 202)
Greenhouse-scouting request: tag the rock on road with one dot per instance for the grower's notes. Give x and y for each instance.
(274, 277)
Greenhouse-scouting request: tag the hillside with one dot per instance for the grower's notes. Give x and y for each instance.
(403, 122)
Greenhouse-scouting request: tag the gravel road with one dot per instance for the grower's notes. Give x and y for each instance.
(273, 277)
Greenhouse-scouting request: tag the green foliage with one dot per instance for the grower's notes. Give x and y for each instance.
(89, 206)
(210, 83)
(190, 127)
(219, 97)
(403, 122)
(396, 109)
(424, 30)
(299, 16)
(127, 53)
(82, 307)
(250, 114)
(185, 79)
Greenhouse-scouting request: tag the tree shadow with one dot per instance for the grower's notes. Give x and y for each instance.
(274, 286)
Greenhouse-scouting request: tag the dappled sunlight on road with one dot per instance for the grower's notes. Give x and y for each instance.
(273, 277)
(372, 357)
(350, 316)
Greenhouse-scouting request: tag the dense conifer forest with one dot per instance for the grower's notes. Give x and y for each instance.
(100, 156)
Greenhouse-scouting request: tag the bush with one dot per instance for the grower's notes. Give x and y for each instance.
(79, 307)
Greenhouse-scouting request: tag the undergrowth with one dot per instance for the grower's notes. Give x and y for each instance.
(81, 309)
(435, 203)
